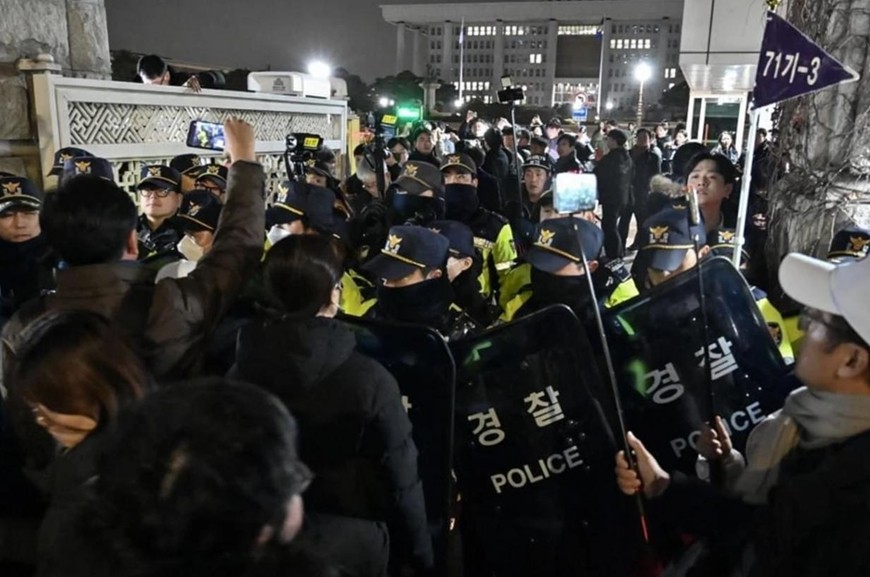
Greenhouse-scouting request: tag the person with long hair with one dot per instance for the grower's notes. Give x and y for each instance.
(353, 429)
(75, 374)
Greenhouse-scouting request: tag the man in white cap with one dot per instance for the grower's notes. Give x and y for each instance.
(808, 465)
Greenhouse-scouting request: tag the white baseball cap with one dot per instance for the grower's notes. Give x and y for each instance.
(838, 289)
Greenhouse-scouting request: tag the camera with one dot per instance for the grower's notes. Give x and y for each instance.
(298, 148)
(510, 93)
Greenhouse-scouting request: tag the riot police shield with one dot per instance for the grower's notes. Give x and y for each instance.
(534, 458)
(421, 363)
(657, 346)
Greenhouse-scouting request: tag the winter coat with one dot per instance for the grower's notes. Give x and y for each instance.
(353, 429)
(614, 173)
(496, 163)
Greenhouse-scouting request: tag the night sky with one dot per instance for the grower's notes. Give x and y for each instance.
(256, 33)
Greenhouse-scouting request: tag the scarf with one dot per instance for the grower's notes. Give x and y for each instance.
(808, 420)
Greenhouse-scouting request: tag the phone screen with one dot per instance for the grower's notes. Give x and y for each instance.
(208, 135)
(574, 193)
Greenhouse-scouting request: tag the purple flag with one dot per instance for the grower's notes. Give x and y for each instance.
(790, 65)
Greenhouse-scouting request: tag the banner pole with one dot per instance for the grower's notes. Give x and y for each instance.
(745, 182)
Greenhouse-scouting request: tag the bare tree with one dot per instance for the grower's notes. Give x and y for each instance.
(824, 138)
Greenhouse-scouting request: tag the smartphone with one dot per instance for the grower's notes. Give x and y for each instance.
(208, 135)
(573, 193)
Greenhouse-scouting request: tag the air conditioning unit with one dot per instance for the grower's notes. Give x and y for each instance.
(289, 84)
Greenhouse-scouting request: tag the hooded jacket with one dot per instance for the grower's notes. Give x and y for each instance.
(354, 432)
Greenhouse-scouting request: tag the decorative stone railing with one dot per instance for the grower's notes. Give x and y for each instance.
(130, 124)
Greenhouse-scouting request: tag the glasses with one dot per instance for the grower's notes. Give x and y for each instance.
(158, 192)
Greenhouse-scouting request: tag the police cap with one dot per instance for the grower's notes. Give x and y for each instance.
(200, 210)
(461, 161)
(419, 176)
(160, 176)
(409, 248)
(214, 173)
(300, 200)
(669, 237)
(538, 161)
(87, 165)
(460, 236)
(850, 243)
(64, 154)
(19, 193)
(557, 244)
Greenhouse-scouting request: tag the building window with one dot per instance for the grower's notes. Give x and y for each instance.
(646, 44)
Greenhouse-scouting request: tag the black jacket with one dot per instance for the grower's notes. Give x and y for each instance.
(816, 523)
(353, 429)
(26, 269)
(496, 163)
(614, 173)
(430, 158)
(646, 164)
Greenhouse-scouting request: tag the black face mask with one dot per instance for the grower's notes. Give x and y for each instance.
(424, 303)
(462, 201)
(466, 287)
(418, 210)
(573, 291)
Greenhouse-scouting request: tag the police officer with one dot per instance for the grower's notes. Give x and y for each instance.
(722, 243)
(670, 252)
(25, 257)
(189, 166)
(213, 177)
(493, 236)
(64, 154)
(413, 283)
(308, 209)
(536, 181)
(159, 200)
(555, 268)
(852, 243)
(197, 219)
(464, 267)
(78, 165)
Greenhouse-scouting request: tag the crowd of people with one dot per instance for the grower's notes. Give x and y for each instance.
(130, 446)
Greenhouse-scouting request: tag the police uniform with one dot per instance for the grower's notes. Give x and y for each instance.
(531, 211)
(26, 267)
(156, 246)
(313, 205)
(409, 249)
(493, 236)
(556, 247)
(467, 285)
(200, 211)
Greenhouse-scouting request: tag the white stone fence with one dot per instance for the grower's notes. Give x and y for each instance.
(128, 123)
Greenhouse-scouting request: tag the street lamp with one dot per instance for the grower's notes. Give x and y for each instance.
(319, 69)
(609, 106)
(383, 101)
(642, 72)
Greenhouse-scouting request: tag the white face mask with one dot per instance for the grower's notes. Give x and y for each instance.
(189, 249)
(277, 233)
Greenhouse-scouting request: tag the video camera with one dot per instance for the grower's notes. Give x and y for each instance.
(300, 147)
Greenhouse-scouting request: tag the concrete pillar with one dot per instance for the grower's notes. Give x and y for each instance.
(88, 39)
(429, 98)
(400, 47)
(69, 35)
